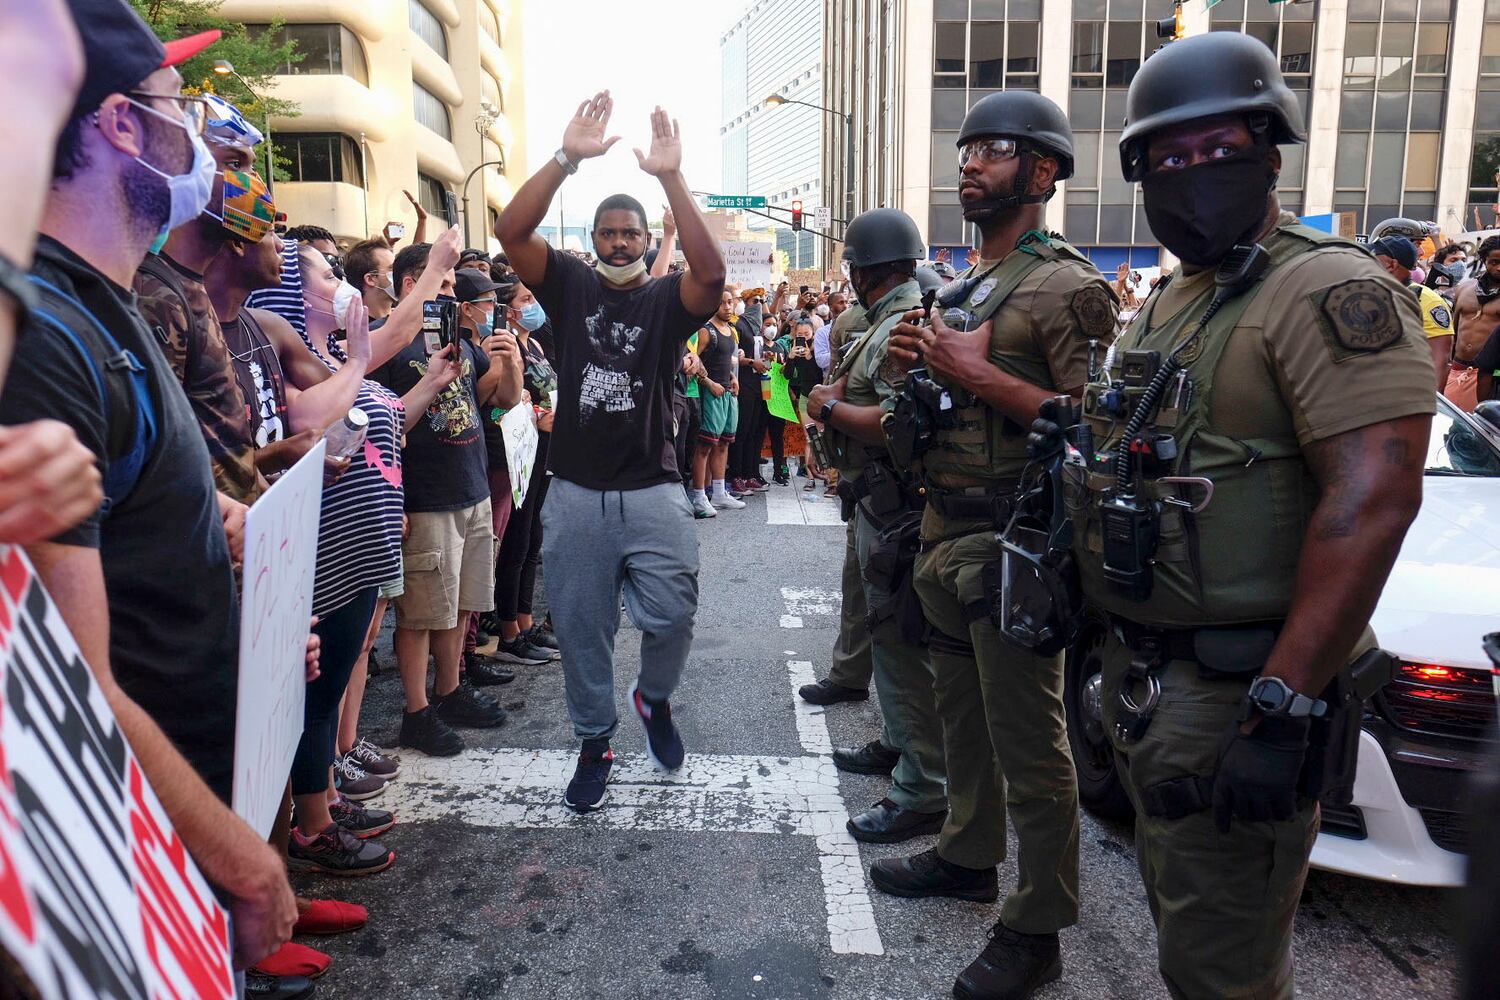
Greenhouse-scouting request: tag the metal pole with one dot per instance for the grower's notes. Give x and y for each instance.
(364, 169)
(467, 181)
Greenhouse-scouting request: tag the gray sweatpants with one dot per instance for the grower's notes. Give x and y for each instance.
(593, 544)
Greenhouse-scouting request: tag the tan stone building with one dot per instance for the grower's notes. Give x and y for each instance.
(397, 95)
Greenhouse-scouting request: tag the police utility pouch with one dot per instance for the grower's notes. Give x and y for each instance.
(1232, 652)
(883, 490)
(1333, 744)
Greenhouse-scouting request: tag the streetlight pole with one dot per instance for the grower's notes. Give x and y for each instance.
(482, 122)
(848, 118)
(224, 67)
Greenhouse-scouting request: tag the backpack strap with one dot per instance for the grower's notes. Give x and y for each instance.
(121, 381)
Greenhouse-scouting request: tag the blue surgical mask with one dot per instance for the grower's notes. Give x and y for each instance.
(485, 324)
(533, 316)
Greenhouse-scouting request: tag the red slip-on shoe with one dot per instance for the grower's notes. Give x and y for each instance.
(330, 916)
(293, 959)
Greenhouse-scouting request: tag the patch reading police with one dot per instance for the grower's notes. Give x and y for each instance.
(1359, 317)
(1441, 316)
(1094, 309)
(982, 292)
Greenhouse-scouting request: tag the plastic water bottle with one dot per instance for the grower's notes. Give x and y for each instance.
(348, 435)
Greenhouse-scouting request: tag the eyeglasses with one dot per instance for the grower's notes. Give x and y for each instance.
(988, 151)
(336, 264)
(194, 109)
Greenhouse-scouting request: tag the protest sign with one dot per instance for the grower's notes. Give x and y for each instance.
(518, 427)
(98, 897)
(780, 402)
(281, 549)
(748, 265)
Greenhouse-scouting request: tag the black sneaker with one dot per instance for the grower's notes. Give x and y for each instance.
(465, 706)
(424, 731)
(354, 781)
(361, 820)
(264, 987)
(372, 760)
(663, 741)
(336, 851)
(542, 638)
(586, 791)
(483, 671)
(520, 650)
(1012, 965)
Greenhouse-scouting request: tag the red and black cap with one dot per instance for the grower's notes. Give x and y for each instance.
(120, 50)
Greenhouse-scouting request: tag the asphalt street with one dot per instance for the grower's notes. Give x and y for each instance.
(734, 879)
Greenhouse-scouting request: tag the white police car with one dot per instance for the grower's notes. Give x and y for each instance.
(1428, 728)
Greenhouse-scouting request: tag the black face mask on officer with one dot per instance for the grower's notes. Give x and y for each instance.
(1200, 212)
(859, 281)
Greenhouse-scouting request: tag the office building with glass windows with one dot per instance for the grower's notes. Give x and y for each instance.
(416, 95)
(1393, 92)
(769, 149)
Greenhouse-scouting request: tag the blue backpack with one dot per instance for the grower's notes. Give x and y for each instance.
(122, 383)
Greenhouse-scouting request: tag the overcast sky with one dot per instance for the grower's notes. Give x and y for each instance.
(645, 52)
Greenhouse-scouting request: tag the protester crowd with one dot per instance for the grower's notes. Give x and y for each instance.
(206, 353)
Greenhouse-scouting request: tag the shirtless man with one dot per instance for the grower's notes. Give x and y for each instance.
(1476, 305)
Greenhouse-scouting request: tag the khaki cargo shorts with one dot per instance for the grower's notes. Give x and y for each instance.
(448, 567)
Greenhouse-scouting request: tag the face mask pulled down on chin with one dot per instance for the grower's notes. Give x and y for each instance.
(1200, 212)
(622, 274)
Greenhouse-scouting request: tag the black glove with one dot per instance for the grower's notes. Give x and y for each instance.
(1045, 440)
(1258, 773)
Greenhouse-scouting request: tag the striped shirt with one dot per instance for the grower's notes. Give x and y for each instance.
(359, 530)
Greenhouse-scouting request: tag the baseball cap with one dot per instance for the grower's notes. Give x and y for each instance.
(469, 284)
(120, 50)
(1398, 248)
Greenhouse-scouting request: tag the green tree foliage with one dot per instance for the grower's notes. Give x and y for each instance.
(256, 56)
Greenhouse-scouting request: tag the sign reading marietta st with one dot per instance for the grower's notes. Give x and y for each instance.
(735, 201)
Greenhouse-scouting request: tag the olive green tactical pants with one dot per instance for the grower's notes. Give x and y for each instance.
(903, 681)
(1005, 733)
(851, 665)
(1223, 902)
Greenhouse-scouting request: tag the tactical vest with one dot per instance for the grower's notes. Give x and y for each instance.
(984, 446)
(1235, 560)
(848, 454)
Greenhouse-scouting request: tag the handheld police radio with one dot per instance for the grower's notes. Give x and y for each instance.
(1130, 528)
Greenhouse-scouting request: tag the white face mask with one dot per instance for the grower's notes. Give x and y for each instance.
(342, 298)
(739, 308)
(189, 191)
(622, 274)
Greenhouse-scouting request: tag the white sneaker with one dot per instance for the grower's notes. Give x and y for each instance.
(724, 501)
(703, 508)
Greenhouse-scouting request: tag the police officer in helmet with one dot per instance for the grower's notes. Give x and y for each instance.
(1033, 310)
(1253, 458)
(881, 249)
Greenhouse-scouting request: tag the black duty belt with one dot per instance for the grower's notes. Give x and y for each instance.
(1180, 643)
(980, 503)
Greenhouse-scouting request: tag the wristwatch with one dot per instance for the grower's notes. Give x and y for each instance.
(22, 292)
(827, 410)
(569, 167)
(1273, 697)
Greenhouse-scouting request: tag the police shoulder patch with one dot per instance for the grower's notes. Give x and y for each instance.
(1094, 310)
(1361, 315)
(1441, 316)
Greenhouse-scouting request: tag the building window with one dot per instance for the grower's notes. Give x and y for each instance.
(490, 22)
(1483, 209)
(432, 195)
(431, 111)
(490, 87)
(426, 26)
(321, 157)
(322, 48)
(1395, 74)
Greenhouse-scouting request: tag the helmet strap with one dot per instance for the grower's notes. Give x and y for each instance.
(1020, 190)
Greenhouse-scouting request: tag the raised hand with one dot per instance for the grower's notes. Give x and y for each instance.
(421, 212)
(584, 137)
(666, 147)
(446, 249)
(357, 326)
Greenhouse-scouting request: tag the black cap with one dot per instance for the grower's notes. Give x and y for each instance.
(469, 284)
(1398, 248)
(120, 50)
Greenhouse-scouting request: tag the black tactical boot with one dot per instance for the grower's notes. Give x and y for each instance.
(926, 874)
(1011, 967)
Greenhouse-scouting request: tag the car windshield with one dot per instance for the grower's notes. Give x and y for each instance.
(1459, 447)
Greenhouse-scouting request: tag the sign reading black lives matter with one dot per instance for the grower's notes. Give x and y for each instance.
(98, 897)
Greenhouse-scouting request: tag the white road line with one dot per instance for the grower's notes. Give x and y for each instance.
(791, 621)
(810, 601)
(716, 793)
(793, 505)
(812, 728)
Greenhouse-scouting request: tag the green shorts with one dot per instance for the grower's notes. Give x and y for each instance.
(721, 416)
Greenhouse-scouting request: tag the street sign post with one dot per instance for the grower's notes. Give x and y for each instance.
(735, 201)
(822, 218)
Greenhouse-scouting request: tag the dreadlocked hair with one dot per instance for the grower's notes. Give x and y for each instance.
(1488, 247)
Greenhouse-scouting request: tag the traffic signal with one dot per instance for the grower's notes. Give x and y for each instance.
(797, 216)
(1171, 29)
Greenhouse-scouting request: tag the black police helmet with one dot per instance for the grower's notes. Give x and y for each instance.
(1409, 228)
(1024, 116)
(1220, 73)
(927, 278)
(881, 235)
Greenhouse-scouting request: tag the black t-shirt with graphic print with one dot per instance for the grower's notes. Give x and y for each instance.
(444, 465)
(617, 356)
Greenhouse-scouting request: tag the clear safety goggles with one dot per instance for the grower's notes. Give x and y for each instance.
(987, 150)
